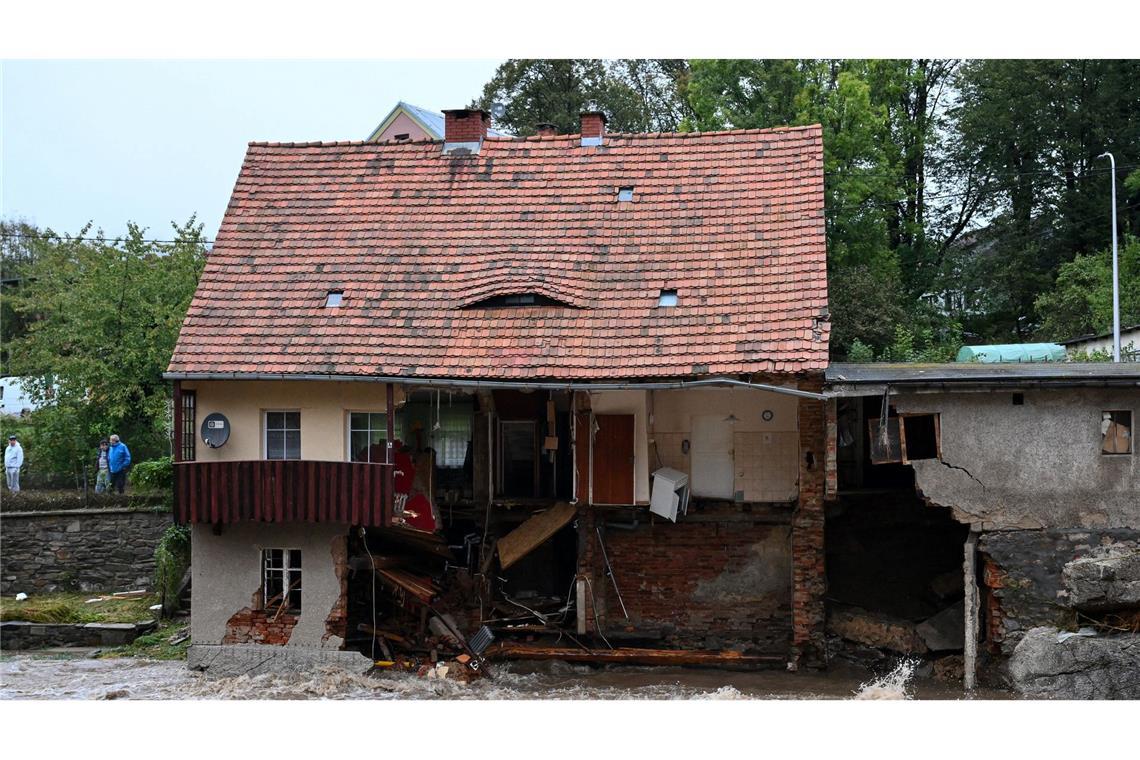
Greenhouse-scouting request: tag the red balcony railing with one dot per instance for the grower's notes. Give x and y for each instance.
(356, 493)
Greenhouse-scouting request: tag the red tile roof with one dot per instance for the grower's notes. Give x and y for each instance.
(732, 220)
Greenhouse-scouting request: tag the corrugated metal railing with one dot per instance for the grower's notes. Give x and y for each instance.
(356, 493)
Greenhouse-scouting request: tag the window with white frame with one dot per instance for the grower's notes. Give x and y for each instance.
(281, 580)
(367, 437)
(282, 435)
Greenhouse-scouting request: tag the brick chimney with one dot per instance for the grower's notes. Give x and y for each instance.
(593, 127)
(545, 129)
(464, 130)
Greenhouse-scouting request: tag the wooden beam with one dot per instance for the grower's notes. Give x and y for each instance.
(632, 656)
(524, 539)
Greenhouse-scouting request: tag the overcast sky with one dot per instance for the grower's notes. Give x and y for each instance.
(154, 142)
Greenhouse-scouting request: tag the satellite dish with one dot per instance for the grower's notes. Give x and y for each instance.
(498, 110)
(215, 430)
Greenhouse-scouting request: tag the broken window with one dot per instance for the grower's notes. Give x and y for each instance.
(906, 438)
(920, 437)
(1116, 432)
(281, 580)
(282, 435)
(886, 445)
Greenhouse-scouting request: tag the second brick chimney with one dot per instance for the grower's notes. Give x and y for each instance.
(593, 127)
(464, 129)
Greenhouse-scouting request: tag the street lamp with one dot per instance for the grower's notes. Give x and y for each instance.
(1115, 268)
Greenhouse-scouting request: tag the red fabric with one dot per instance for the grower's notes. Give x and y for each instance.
(418, 514)
(733, 221)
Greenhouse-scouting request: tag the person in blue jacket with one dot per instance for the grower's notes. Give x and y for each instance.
(119, 462)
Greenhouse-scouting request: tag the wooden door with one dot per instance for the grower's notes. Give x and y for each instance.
(613, 459)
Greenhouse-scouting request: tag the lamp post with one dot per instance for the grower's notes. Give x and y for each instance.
(1115, 268)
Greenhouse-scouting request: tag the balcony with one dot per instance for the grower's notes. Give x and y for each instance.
(356, 493)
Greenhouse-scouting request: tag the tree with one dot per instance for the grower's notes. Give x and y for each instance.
(636, 95)
(103, 320)
(1080, 302)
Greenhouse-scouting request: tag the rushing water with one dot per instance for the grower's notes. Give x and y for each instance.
(39, 677)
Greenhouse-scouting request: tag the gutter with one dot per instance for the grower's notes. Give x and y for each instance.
(500, 384)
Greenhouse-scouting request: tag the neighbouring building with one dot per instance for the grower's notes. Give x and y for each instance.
(407, 122)
(1088, 344)
(439, 383)
(976, 502)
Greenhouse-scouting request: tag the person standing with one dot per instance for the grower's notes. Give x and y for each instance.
(103, 467)
(13, 461)
(118, 462)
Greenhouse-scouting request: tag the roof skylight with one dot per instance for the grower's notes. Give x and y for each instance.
(668, 297)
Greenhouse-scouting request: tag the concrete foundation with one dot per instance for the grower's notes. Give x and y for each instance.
(254, 659)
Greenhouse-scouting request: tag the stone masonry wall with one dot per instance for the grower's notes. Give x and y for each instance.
(1022, 582)
(84, 550)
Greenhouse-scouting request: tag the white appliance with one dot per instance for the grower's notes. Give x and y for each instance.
(670, 495)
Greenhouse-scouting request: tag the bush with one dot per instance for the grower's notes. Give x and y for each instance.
(171, 559)
(155, 475)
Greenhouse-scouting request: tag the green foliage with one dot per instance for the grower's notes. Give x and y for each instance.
(102, 322)
(72, 607)
(154, 475)
(860, 352)
(637, 95)
(171, 558)
(1080, 302)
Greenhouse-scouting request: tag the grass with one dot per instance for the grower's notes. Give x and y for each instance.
(72, 608)
(155, 645)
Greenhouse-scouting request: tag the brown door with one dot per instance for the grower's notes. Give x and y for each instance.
(613, 459)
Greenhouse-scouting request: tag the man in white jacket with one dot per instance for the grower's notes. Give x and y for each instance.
(13, 461)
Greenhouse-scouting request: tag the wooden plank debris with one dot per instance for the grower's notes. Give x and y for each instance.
(527, 537)
(633, 656)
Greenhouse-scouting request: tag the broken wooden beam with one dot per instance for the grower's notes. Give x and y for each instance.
(633, 656)
(533, 533)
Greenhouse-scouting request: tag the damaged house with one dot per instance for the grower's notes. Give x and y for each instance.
(561, 392)
(993, 510)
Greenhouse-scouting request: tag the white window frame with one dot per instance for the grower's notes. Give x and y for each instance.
(288, 571)
(348, 431)
(265, 432)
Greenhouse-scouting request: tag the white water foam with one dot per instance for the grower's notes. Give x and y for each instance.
(893, 685)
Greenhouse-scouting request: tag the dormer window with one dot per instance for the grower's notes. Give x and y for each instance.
(668, 297)
(334, 299)
(625, 194)
(517, 299)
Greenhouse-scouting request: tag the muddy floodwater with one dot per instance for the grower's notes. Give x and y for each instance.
(42, 677)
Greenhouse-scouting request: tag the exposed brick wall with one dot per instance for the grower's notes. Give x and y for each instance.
(708, 584)
(809, 574)
(250, 626)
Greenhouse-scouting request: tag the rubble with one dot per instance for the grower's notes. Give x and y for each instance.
(945, 631)
(1077, 667)
(1103, 583)
(875, 629)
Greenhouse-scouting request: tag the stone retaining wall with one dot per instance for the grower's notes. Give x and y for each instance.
(16, 635)
(79, 550)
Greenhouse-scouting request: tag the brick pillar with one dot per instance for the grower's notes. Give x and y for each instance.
(809, 578)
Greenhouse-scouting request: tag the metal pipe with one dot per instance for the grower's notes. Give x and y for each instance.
(501, 384)
(1115, 268)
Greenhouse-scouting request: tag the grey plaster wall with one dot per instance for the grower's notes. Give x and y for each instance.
(227, 576)
(1030, 466)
